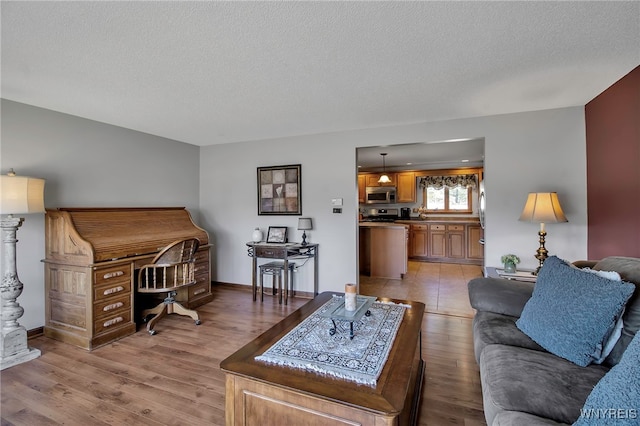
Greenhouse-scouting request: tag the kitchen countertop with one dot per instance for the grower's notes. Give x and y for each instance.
(383, 224)
(440, 219)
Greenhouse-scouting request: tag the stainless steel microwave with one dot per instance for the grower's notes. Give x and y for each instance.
(380, 195)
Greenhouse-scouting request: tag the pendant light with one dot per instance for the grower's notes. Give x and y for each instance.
(384, 178)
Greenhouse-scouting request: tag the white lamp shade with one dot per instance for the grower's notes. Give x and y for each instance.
(21, 195)
(543, 207)
(384, 179)
(304, 224)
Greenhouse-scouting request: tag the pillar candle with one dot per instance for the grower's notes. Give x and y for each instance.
(350, 297)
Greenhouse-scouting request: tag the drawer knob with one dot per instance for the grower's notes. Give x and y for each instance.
(113, 290)
(113, 306)
(113, 274)
(113, 321)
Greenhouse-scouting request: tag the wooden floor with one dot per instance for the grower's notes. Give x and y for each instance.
(173, 378)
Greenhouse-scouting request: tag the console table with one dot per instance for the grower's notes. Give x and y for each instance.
(285, 252)
(257, 394)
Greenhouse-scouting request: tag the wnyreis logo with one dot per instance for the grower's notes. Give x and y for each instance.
(609, 413)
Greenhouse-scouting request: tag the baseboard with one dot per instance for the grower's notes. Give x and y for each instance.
(247, 288)
(35, 332)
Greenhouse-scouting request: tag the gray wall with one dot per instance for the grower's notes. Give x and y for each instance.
(87, 164)
(94, 164)
(526, 152)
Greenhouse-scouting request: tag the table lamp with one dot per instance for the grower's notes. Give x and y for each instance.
(542, 207)
(304, 224)
(18, 195)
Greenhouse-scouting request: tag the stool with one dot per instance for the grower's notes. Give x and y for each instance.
(276, 269)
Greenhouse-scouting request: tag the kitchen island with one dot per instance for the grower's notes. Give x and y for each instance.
(383, 249)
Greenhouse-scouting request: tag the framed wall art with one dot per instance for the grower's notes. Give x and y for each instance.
(279, 190)
(277, 234)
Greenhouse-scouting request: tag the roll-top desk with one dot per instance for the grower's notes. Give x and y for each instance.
(91, 258)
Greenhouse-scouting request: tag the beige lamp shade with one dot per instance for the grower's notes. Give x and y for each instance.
(305, 224)
(543, 207)
(21, 194)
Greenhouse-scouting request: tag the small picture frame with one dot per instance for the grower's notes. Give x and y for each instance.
(279, 190)
(277, 234)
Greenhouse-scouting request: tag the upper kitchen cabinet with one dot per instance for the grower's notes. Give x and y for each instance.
(372, 179)
(362, 186)
(406, 184)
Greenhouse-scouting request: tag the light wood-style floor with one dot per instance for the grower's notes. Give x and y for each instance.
(173, 378)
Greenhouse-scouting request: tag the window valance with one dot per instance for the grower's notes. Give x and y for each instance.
(451, 181)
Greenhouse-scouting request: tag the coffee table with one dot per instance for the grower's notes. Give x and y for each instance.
(255, 391)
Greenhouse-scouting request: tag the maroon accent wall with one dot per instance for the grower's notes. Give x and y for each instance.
(613, 169)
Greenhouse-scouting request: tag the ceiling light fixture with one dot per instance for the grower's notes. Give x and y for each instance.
(384, 178)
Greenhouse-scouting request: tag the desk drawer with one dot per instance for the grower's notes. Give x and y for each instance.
(110, 307)
(113, 274)
(271, 252)
(112, 322)
(111, 290)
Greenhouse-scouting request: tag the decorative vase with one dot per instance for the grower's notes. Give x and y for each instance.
(256, 237)
(509, 267)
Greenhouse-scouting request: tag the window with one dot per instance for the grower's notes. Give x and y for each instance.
(447, 199)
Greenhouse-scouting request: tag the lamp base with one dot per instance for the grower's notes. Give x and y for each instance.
(14, 345)
(541, 253)
(304, 238)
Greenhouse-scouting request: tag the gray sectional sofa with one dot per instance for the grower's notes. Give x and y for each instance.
(524, 384)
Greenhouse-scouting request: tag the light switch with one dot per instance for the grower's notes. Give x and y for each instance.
(336, 201)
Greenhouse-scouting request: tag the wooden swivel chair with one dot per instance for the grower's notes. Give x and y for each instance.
(170, 270)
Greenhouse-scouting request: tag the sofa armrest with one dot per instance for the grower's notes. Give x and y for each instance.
(584, 263)
(498, 295)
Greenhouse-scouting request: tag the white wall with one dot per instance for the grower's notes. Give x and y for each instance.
(87, 164)
(526, 152)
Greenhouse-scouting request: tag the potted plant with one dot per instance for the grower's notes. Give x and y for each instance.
(510, 261)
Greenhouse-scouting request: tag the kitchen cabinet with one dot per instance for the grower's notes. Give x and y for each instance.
(475, 250)
(446, 242)
(406, 184)
(419, 240)
(372, 179)
(362, 186)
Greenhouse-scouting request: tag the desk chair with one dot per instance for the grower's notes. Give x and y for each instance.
(170, 270)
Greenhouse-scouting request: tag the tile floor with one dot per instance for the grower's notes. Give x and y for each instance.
(442, 287)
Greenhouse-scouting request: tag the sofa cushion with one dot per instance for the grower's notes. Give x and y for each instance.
(571, 312)
(517, 418)
(629, 270)
(499, 295)
(490, 329)
(539, 383)
(616, 397)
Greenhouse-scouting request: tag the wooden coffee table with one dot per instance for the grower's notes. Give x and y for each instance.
(261, 394)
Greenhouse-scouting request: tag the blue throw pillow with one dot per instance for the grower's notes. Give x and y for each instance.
(615, 400)
(571, 312)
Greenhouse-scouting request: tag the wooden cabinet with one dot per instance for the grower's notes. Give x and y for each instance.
(383, 250)
(406, 184)
(446, 242)
(362, 186)
(475, 250)
(455, 241)
(419, 240)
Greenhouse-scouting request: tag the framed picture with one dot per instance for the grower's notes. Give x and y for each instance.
(279, 190)
(277, 234)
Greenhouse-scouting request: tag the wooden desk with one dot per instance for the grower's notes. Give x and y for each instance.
(284, 252)
(259, 394)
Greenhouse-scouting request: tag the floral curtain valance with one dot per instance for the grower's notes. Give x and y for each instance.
(452, 181)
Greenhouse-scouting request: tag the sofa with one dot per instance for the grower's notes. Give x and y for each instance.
(531, 380)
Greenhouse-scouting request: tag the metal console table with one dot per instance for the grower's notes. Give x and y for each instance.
(285, 252)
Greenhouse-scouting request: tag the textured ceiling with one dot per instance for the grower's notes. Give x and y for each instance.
(216, 72)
